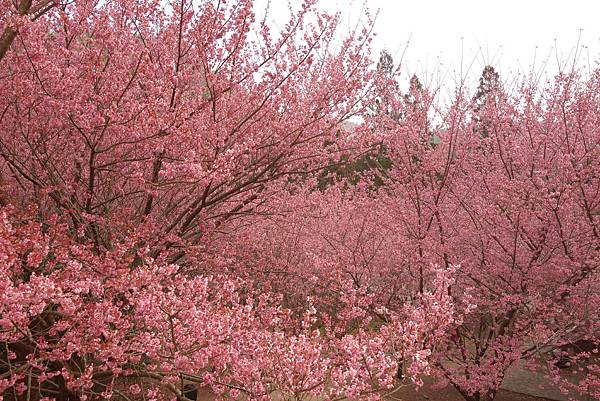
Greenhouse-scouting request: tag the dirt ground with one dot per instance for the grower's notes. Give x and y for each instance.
(425, 393)
(519, 385)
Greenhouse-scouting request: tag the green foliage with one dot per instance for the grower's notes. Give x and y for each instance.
(489, 87)
(369, 166)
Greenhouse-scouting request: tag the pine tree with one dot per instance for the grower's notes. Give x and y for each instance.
(385, 65)
(486, 96)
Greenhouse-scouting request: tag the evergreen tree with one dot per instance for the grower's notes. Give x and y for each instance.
(385, 65)
(486, 96)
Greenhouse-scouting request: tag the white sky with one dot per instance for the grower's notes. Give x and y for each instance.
(509, 34)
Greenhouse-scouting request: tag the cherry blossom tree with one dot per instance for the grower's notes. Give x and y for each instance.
(77, 325)
(505, 191)
(163, 219)
(511, 215)
(135, 138)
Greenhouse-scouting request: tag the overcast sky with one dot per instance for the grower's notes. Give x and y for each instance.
(513, 35)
